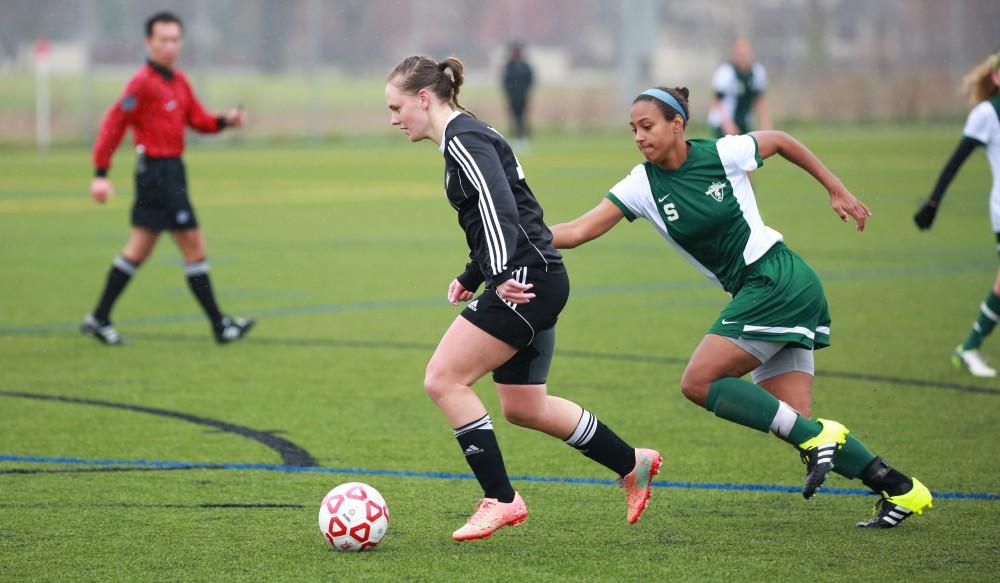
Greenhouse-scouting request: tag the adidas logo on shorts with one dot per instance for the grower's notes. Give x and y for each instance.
(473, 305)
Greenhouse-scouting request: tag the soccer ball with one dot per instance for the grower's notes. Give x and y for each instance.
(353, 517)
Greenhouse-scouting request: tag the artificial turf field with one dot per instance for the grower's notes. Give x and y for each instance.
(171, 458)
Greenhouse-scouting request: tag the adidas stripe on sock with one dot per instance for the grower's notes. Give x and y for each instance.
(482, 453)
(596, 441)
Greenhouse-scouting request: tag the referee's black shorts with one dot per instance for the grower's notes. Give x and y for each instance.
(529, 327)
(161, 197)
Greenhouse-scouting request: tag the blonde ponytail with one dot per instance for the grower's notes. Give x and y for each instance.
(978, 83)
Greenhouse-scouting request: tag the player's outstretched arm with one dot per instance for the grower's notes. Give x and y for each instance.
(586, 227)
(846, 205)
(925, 216)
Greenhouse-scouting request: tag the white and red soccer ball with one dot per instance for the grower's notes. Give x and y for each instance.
(353, 517)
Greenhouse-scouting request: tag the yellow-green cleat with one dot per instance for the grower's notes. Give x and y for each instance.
(889, 511)
(818, 452)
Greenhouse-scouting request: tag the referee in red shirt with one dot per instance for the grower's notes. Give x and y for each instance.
(158, 104)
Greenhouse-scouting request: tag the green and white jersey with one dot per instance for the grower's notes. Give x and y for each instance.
(706, 208)
(983, 125)
(738, 90)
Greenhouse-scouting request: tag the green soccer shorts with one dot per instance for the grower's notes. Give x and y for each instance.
(781, 300)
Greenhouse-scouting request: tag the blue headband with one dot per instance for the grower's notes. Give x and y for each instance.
(668, 99)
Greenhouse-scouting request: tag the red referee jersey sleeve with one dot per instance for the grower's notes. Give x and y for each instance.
(118, 117)
(197, 117)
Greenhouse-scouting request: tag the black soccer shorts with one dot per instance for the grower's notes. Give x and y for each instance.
(529, 327)
(161, 197)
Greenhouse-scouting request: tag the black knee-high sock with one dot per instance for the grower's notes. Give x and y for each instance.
(121, 272)
(596, 441)
(201, 287)
(479, 444)
(881, 477)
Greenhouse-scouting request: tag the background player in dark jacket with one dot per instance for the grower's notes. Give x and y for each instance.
(517, 80)
(509, 330)
(158, 104)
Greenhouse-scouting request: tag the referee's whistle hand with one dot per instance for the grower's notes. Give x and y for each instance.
(236, 117)
(100, 189)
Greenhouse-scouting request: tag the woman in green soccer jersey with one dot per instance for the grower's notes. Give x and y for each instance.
(697, 194)
(982, 128)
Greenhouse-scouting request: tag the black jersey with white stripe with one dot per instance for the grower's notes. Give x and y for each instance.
(502, 219)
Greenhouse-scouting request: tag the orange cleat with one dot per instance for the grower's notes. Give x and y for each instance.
(490, 515)
(637, 484)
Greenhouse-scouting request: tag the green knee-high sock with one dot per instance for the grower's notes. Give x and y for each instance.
(853, 458)
(989, 313)
(742, 402)
(749, 405)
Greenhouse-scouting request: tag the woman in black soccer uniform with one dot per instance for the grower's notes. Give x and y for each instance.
(509, 329)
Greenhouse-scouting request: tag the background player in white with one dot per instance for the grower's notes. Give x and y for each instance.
(509, 330)
(698, 196)
(739, 87)
(982, 128)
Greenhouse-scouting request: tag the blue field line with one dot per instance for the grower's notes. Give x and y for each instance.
(452, 476)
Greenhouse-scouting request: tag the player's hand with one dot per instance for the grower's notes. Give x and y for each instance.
(925, 216)
(847, 206)
(457, 293)
(101, 189)
(515, 292)
(236, 117)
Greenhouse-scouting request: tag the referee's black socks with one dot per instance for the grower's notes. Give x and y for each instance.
(201, 287)
(121, 272)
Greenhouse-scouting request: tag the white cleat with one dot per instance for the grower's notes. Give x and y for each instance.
(105, 333)
(973, 361)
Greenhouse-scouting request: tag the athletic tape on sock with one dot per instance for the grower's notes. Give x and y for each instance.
(783, 420)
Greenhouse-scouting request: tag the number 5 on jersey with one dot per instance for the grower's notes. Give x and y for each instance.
(670, 211)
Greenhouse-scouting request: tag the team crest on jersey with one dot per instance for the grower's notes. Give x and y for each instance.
(716, 190)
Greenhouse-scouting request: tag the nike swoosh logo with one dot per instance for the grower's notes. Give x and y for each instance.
(728, 322)
(663, 198)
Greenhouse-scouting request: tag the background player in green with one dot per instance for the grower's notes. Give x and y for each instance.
(982, 128)
(698, 196)
(739, 87)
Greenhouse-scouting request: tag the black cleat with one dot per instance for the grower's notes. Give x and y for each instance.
(891, 510)
(104, 332)
(817, 453)
(232, 329)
